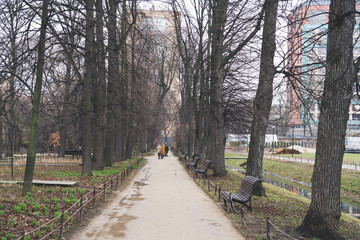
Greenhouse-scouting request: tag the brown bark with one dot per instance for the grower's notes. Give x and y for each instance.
(113, 71)
(322, 219)
(90, 73)
(264, 93)
(99, 92)
(35, 112)
(123, 136)
(216, 122)
(65, 105)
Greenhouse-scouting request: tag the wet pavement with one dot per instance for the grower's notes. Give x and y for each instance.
(162, 203)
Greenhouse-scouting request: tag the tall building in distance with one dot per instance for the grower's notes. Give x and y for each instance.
(307, 39)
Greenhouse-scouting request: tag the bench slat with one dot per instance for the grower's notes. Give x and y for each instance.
(244, 194)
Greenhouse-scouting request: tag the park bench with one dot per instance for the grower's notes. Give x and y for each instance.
(204, 168)
(183, 158)
(243, 195)
(73, 152)
(174, 150)
(194, 162)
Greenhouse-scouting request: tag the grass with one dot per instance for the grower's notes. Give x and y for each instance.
(350, 180)
(285, 209)
(44, 203)
(348, 157)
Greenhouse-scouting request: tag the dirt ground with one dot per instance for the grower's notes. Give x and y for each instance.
(162, 202)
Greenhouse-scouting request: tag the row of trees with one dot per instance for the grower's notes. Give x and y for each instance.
(100, 78)
(219, 49)
(88, 73)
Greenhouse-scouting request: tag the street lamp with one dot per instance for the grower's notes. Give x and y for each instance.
(247, 140)
(292, 141)
(273, 144)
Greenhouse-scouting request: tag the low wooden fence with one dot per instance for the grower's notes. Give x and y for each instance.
(93, 196)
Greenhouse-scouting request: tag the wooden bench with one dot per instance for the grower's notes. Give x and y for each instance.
(174, 150)
(243, 195)
(194, 162)
(204, 168)
(183, 158)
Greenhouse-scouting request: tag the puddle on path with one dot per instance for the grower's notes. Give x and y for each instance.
(136, 197)
(117, 229)
(124, 203)
(139, 184)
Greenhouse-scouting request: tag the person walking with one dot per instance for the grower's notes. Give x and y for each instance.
(162, 151)
(166, 150)
(159, 151)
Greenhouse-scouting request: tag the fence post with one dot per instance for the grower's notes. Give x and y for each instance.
(12, 166)
(81, 207)
(23, 235)
(219, 193)
(104, 191)
(215, 190)
(267, 229)
(242, 216)
(94, 196)
(61, 225)
(117, 182)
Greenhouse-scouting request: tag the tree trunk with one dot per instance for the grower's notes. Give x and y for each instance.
(199, 115)
(90, 71)
(11, 122)
(124, 83)
(31, 153)
(322, 219)
(112, 87)
(264, 94)
(1, 123)
(65, 105)
(99, 92)
(216, 122)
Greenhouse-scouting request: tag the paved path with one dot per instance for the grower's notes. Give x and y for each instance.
(161, 203)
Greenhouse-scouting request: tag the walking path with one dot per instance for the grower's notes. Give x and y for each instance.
(162, 202)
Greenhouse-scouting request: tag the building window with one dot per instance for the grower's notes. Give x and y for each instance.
(356, 117)
(316, 17)
(146, 23)
(160, 24)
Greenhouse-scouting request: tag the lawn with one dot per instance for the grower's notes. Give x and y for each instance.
(348, 157)
(350, 179)
(29, 213)
(285, 209)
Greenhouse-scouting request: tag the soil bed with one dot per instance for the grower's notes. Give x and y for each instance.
(25, 213)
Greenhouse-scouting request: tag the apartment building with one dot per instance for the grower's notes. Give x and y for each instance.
(307, 39)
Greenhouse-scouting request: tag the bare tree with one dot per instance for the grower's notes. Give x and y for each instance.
(98, 93)
(31, 154)
(264, 93)
(323, 216)
(113, 85)
(218, 63)
(89, 75)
